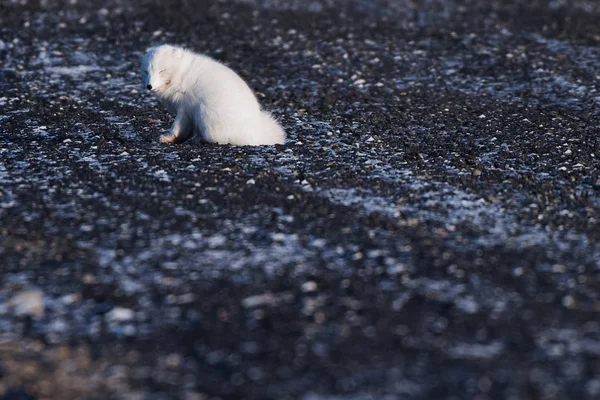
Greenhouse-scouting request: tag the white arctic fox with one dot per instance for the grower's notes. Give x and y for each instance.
(208, 98)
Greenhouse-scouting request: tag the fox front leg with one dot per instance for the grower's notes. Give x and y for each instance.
(180, 130)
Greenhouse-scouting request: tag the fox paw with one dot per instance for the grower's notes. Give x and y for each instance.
(166, 139)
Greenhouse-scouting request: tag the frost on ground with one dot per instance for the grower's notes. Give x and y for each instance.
(429, 230)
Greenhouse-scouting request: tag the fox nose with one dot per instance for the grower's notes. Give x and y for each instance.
(149, 87)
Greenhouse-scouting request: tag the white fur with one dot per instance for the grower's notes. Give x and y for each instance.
(208, 98)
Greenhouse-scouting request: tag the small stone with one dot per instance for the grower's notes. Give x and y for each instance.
(279, 237)
(28, 302)
(309, 286)
(558, 268)
(120, 314)
(258, 300)
(216, 241)
(86, 228)
(173, 360)
(88, 279)
(186, 298)
(70, 298)
(318, 243)
(569, 301)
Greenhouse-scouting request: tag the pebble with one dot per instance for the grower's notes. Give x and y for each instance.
(309, 286)
(119, 314)
(28, 303)
(258, 300)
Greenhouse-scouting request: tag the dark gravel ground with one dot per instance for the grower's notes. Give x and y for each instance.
(429, 231)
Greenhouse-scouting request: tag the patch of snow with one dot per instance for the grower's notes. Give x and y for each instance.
(75, 71)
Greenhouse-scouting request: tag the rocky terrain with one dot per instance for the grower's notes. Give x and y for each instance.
(430, 230)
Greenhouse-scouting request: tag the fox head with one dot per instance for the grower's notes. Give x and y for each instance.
(159, 67)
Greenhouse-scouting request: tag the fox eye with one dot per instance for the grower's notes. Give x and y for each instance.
(161, 71)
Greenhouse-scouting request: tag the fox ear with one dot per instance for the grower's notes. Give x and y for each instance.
(177, 52)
